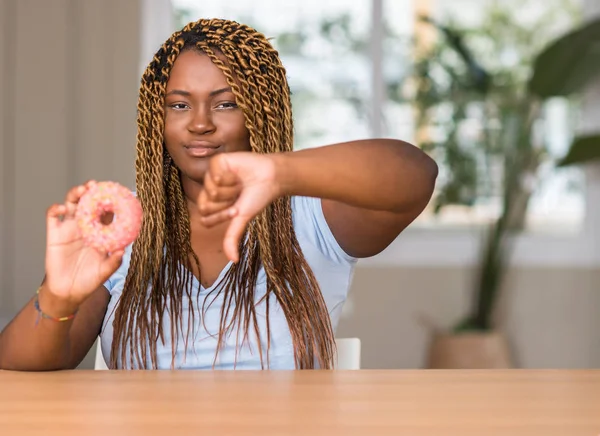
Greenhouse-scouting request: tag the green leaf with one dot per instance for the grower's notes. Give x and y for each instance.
(479, 78)
(583, 149)
(568, 63)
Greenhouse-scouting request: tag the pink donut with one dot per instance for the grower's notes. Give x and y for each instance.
(109, 197)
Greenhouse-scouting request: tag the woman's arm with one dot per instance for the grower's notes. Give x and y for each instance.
(75, 274)
(29, 343)
(371, 190)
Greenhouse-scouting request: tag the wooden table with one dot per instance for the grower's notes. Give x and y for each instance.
(436, 403)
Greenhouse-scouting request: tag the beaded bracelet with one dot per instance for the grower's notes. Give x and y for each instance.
(36, 304)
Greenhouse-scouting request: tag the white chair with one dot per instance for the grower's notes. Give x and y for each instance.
(348, 353)
(99, 364)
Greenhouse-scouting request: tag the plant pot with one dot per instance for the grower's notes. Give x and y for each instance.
(469, 350)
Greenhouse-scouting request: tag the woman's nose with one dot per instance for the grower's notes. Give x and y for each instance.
(201, 121)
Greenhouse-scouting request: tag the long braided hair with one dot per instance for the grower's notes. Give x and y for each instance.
(155, 281)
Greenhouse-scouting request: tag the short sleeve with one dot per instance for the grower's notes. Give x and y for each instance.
(310, 225)
(116, 281)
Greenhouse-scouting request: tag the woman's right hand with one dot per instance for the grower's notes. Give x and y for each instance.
(74, 270)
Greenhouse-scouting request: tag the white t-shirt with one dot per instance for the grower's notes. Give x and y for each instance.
(332, 267)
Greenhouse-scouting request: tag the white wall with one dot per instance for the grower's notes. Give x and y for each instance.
(157, 24)
(549, 315)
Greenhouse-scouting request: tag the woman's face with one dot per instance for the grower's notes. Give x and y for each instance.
(202, 118)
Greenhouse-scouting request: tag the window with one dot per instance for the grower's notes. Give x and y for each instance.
(503, 38)
(348, 64)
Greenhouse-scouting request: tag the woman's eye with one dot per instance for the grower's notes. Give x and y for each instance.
(179, 106)
(227, 105)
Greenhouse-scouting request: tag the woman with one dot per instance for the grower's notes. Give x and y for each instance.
(246, 250)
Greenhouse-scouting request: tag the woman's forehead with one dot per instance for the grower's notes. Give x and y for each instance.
(193, 69)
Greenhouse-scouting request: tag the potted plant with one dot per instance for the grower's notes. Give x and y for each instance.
(478, 117)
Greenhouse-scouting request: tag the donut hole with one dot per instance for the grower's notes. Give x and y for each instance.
(107, 218)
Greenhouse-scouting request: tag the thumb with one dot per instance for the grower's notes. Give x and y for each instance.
(232, 238)
(111, 264)
(220, 170)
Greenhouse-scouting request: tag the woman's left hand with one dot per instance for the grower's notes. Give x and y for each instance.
(237, 187)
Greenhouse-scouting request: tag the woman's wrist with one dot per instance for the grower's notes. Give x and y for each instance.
(56, 305)
(285, 175)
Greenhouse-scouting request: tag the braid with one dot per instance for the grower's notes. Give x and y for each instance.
(155, 282)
